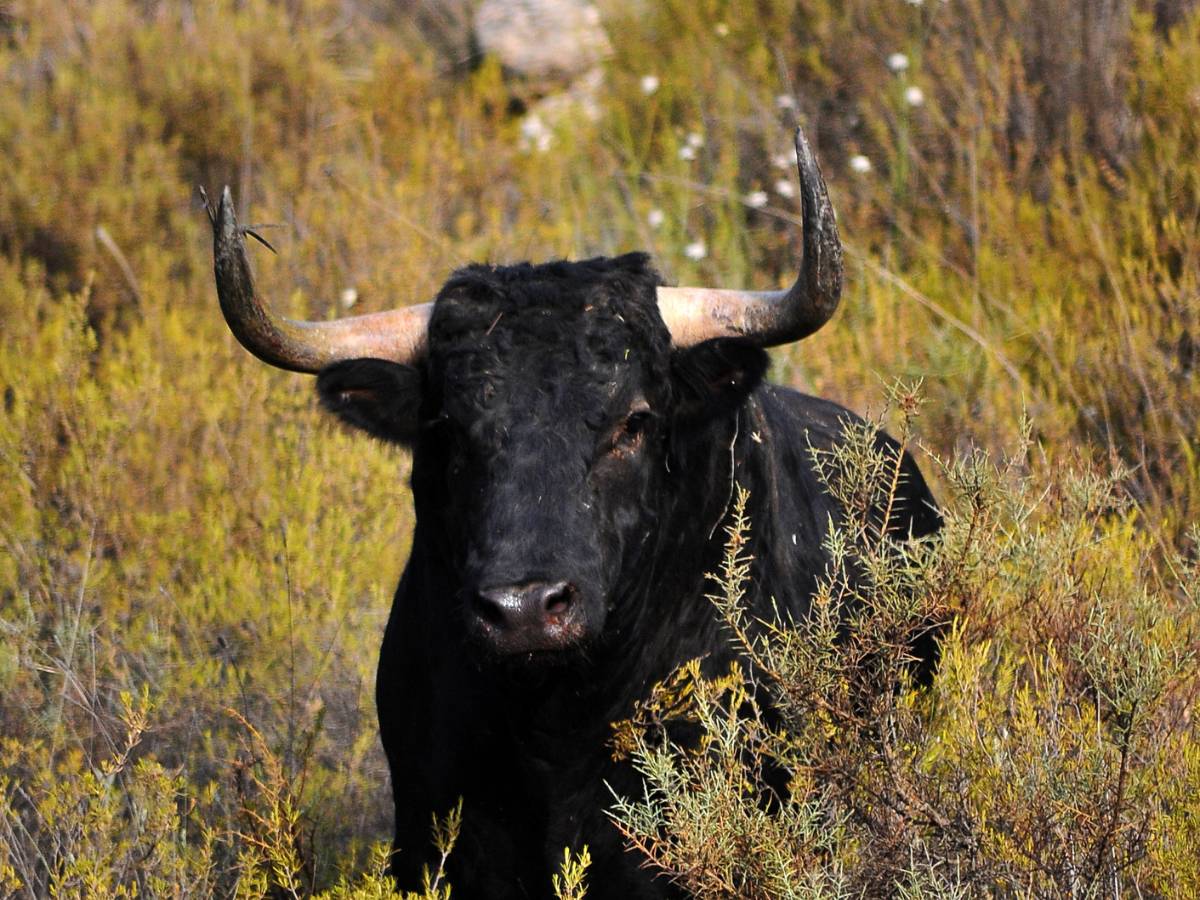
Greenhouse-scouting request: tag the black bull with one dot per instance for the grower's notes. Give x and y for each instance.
(571, 464)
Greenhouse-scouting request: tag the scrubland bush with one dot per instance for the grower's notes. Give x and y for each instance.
(195, 568)
(1053, 755)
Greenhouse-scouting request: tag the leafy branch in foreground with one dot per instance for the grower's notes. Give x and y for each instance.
(570, 881)
(1054, 752)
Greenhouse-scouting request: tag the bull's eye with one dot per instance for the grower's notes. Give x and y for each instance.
(630, 436)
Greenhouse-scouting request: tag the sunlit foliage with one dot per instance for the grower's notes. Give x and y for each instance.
(1054, 754)
(195, 566)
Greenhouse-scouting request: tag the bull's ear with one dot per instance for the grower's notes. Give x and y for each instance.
(713, 377)
(380, 397)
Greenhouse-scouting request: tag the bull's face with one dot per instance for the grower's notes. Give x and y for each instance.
(541, 402)
(541, 421)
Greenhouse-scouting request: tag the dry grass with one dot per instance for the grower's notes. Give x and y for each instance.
(195, 566)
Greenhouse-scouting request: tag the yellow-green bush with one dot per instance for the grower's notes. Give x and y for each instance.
(1054, 754)
(195, 567)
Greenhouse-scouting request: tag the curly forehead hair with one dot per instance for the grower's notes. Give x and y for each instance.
(598, 310)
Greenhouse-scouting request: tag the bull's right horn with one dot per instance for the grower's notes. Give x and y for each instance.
(770, 318)
(397, 335)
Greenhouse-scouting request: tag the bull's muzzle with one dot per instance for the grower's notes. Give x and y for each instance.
(536, 616)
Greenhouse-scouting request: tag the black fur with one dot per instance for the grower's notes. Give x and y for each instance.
(558, 435)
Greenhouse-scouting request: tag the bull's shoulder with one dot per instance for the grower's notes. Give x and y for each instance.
(790, 426)
(792, 414)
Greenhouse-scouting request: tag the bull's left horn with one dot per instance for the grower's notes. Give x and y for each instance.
(770, 318)
(397, 335)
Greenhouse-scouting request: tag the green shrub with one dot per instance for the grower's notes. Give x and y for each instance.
(1053, 755)
(178, 525)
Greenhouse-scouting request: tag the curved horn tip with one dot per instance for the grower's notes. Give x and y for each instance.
(805, 161)
(225, 227)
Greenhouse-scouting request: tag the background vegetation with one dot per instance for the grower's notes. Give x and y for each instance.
(195, 566)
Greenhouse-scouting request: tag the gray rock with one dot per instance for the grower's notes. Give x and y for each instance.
(542, 39)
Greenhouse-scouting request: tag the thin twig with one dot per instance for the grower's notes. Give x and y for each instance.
(107, 242)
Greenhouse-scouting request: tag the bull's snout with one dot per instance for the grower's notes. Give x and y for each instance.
(522, 618)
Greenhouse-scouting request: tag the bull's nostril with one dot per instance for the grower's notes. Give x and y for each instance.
(490, 608)
(557, 598)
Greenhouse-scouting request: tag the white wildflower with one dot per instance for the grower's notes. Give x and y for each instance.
(532, 126)
(785, 101)
(535, 134)
(756, 199)
(650, 84)
(695, 250)
(348, 297)
(785, 188)
(721, 29)
(655, 218)
(914, 96)
(687, 151)
(897, 62)
(860, 164)
(784, 160)
(695, 139)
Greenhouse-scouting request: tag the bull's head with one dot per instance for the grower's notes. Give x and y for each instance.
(541, 403)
